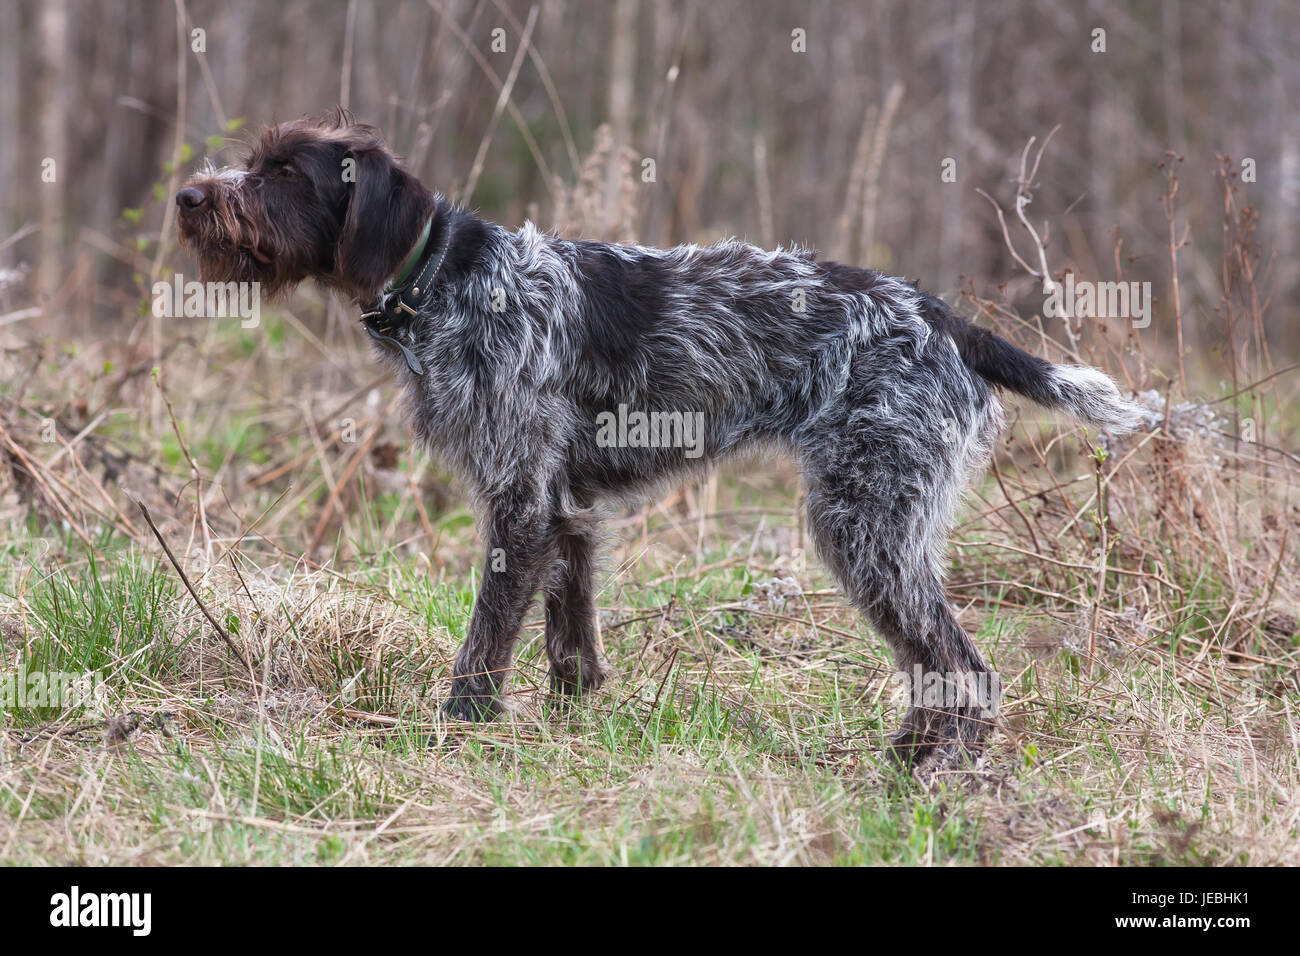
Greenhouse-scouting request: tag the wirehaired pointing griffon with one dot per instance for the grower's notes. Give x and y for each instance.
(516, 348)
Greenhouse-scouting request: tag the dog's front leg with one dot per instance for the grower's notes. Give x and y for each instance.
(516, 559)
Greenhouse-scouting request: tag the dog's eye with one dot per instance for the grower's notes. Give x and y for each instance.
(288, 172)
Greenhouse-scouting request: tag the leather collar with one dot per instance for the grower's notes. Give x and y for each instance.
(388, 318)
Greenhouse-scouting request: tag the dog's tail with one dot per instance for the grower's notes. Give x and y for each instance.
(1087, 393)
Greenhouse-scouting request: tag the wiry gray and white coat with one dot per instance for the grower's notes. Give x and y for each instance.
(523, 341)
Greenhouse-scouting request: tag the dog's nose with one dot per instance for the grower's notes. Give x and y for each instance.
(190, 198)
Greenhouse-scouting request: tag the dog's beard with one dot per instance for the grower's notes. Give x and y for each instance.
(229, 248)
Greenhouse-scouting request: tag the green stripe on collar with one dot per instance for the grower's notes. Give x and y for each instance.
(409, 263)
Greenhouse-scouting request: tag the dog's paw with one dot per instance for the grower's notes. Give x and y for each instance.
(579, 681)
(472, 700)
(952, 757)
(908, 747)
(951, 738)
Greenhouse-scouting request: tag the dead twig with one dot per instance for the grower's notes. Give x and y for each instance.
(221, 631)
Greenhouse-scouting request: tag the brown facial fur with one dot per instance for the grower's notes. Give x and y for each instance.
(314, 198)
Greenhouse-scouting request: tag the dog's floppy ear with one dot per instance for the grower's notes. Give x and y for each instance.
(387, 210)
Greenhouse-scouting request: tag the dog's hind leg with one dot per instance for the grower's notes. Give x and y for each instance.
(877, 547)
(879, 506)
(572, 625)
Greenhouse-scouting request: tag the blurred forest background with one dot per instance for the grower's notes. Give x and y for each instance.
(839, 147)
(234, 527)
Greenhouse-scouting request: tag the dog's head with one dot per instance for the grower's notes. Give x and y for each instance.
(315, 198)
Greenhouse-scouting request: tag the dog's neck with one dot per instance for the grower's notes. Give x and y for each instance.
(419, 270)
(413, 257)
(388, 318)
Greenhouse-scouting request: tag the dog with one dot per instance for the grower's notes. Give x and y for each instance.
(515, 348)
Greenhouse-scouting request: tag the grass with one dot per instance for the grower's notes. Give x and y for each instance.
(732, 735)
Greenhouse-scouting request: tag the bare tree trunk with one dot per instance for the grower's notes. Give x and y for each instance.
(10, 145)
(1101, 139)
(622, 65)
(1172, 58)
(54, 144)
(1286, 114)
(953, 232)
